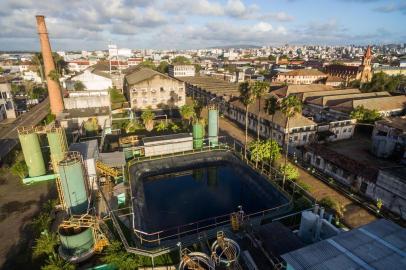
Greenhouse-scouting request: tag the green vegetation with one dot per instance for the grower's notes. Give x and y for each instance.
(175, 128)
(49, 118)
(118, 257)
(181, 60)
(259, 89)
(289, 171)
(91, 126)
(162, 126)
(163, 67)
(19, 169)
(265, 150)
(383, 82)
(1, 70)
(332, 205)
(54, 262)
(147, 117)
(188, 113)
(45, 244)
(289, 106)
(116, 98)
(247, 97)
(54, 75)
(147, 64)
(79, 86)
(379, 204)
(365, 115)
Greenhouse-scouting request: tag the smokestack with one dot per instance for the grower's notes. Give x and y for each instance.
(54, 90)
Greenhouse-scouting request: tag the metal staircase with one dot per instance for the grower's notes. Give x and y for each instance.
(106, 170)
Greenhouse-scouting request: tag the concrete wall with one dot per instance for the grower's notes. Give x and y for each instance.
(154, 92)
(168, 146)
(87, 102)
(392, 191)
(91, 81)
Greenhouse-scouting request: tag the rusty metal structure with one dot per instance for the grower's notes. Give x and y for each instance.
(54, 90)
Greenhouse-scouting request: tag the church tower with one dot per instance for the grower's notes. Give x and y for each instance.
(365, 69)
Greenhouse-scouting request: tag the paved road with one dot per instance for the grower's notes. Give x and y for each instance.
(8, 132)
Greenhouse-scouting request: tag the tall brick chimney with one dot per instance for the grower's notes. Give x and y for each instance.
(54, 90)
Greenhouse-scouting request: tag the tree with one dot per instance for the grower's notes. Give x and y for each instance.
(38, 92)
(175, 128)
(259, 89)
(147, 64)
(45, 244)
(246, 98)
(264, 150)
(188, 113)
(163, 67)
(19, 169)
(198, 68)
(289, 171)
(147, 117)
(162, 126)
(54, 75)
(383, 82)
(79, 86)
(198, 107)
(181, 60)
(290, 106)
(364, 115)
(37, 60)
(271, 106)
(42, 223)
(333, 205)
(1, 70)
(116, 256)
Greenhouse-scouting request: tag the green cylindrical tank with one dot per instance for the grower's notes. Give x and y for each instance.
(198, 134)
(213, 126)
(58, 145)
(76, 243)
(73, 183)
(32, 152)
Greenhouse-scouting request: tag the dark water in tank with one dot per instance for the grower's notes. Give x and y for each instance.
(188, 196)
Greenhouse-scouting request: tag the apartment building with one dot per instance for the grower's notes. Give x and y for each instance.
(301, 76)
(145, 88)
(181, 70)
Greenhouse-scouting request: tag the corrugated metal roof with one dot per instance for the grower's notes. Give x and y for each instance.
(378, 245)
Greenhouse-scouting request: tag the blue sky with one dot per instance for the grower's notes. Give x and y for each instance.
(183, 24)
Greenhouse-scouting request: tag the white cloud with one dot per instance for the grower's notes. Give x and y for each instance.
(263, 27)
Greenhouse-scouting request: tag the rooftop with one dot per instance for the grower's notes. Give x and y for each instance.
(139, 74)
(86, 112)
(301, 88)
(332, 100)
(395, 122)
(379, 245)
(213, 85)
(88, 149)
(278, 118)
(166, 137)
(379, 103)
(305, 72)
(311, 95)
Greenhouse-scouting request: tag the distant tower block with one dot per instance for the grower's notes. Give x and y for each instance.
(54, 90)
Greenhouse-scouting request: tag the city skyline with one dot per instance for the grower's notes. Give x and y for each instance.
(162, 24)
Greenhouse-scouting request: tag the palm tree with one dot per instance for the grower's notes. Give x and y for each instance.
(259, 89)
(37, 60)
(45, 244)
(187, 112)
(148, 119)
(54, 262)
(290, 106)
(79, 86)
(271, 106)
(246, 98)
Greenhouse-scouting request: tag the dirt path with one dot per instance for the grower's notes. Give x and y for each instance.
(354, 215)
(18, 205)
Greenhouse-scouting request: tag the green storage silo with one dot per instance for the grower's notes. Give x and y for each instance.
(198, 134)
(73, 183)
(32, 152)
(76, 242)
(58, 145)
(213, 126)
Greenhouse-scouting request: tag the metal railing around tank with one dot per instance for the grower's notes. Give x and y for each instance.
(263, 168)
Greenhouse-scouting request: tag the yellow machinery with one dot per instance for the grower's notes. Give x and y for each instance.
(87, 221)
(106, 170)
(235, 223)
